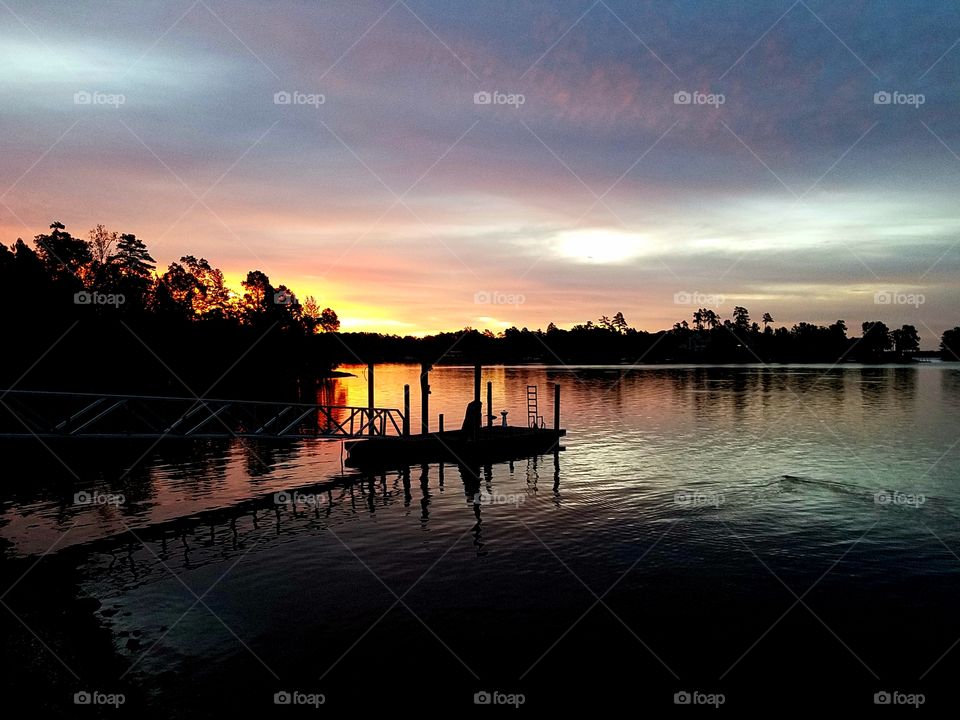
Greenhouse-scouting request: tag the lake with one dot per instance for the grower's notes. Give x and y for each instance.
(738, 535)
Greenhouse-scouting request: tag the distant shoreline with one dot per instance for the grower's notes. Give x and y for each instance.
(664, 363)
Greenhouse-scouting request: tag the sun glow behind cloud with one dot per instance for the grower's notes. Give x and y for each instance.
(600, 245)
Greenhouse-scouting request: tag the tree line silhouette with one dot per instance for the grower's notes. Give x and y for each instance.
(96, 314)
(708, 338)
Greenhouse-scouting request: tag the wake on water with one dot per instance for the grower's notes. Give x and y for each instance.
(850, 488)
(886, 499)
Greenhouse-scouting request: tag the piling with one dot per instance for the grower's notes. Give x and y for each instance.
(425, 398)
(556, 406)
(406, 410)
(489, 404)
(476, 398)
(441, 422)
(370, 404)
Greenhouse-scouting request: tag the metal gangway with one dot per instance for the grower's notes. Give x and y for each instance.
(43, 414)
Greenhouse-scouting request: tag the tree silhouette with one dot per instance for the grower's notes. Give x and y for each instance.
(950, 344)
(132, 258)
(259, 295)
(101, 241)
(698, 318)
(129, 272)
(741, 319)
(214, 300)
(65, 258)
(180, 289)
(329, 322)
(906, 339)
(711, 319)
(619, 323)
(875, 341)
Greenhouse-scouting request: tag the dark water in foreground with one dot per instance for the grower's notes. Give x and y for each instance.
(782, 536)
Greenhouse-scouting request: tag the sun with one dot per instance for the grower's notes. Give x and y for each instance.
(599, 245)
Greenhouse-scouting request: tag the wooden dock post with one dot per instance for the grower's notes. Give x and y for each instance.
(406, 410)
(424, 398)
(556, 406)
(441, 423)
(476, 396)
(370, 403)
(489, 404)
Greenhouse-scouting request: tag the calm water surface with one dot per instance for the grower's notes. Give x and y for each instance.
(734, 529)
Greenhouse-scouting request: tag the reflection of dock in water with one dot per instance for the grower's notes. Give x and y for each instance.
(139, 554)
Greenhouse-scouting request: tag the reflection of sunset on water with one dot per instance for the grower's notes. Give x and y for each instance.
(613, 418)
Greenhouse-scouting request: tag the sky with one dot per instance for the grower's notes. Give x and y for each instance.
(426, 165)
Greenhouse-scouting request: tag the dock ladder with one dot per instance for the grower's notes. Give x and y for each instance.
(533, 414)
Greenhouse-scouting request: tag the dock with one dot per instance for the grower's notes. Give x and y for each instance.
(473, 444)
(375, 437)
(491, 444)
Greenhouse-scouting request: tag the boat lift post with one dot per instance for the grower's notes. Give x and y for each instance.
(370, 404)
(490, 417)
(556, 406)
(424, 398)
(476, 393)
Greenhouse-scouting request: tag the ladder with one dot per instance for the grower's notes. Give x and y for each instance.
(533, 413)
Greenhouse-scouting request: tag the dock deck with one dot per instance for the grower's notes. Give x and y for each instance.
(491, 444)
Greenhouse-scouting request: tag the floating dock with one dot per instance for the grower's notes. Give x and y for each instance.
(490, 444)
(475, 443)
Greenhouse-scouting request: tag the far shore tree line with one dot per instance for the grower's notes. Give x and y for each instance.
(96, 313)
(707, 338)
